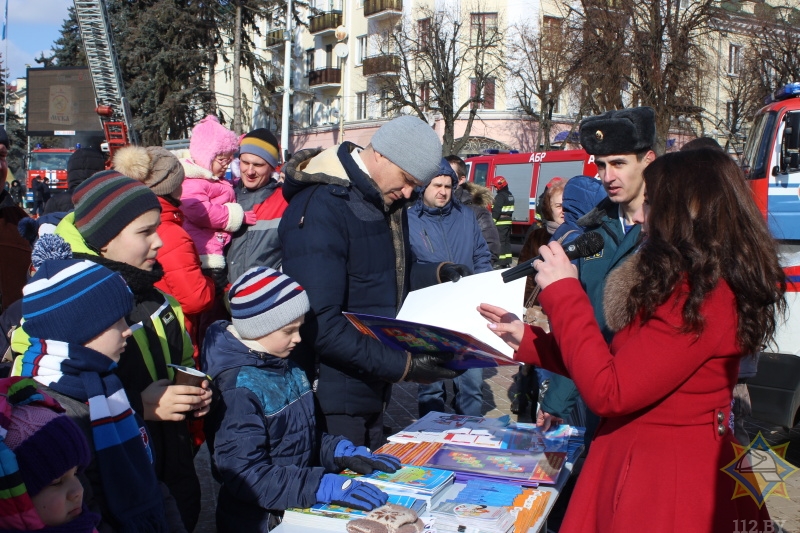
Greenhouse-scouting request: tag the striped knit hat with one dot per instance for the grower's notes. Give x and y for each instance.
(262, 142)
(264, 300)
(73, 301)
(106, 203)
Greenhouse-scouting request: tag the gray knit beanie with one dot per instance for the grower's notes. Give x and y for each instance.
(412, 145)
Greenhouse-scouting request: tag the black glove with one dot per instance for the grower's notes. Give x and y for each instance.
(453, 272)
(426, 368)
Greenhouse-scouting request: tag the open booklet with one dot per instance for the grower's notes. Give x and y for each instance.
(443, 318)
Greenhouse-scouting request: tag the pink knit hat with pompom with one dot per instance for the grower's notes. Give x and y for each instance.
(209, 139)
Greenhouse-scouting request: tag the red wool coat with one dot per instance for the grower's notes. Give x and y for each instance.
(182, 276)
(665, 399)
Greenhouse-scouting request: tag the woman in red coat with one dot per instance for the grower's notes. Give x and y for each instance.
(704, 289)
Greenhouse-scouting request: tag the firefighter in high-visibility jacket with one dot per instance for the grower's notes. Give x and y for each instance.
(502, 212)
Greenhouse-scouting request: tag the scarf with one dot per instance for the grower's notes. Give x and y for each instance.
(141, 282)
(17, 511)
(86, 522)
(551, 226)
(124, 461)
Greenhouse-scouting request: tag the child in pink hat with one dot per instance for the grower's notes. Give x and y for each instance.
(208, 201)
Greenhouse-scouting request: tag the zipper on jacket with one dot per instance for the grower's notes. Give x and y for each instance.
(428, 240)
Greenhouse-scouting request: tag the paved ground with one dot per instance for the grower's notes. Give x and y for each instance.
(403, 410)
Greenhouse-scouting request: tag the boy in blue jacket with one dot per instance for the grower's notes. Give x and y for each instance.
(265, 448)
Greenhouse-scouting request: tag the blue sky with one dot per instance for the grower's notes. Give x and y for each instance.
(33, 25)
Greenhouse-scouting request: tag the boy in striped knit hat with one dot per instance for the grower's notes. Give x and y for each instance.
(262, 432)
(74, 314)
(115, 224)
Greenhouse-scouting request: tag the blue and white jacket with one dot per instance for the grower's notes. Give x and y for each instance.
(265, 448)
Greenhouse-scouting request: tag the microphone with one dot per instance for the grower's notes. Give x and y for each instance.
(584, 246)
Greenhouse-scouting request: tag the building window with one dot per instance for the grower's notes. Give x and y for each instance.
(361, 49)
(310, 113)
(488, 93)
(384, 103)
(326, 6)
(424, 32)
(309, 61)
(734, 59)
(730, 112)
(551, 27)
(361, 106)
(548, 94)
(483, 27)
(425, 95)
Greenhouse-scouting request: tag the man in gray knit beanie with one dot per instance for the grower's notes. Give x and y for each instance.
(345, 240)
(410, 145)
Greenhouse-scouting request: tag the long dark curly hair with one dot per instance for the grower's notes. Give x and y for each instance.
(703, 225)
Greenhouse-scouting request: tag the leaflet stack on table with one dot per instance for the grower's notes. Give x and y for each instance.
(496, 465)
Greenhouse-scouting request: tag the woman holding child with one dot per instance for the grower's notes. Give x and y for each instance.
(703, 291)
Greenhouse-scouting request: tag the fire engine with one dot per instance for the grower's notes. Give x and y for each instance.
(527, 175)
(771, 163)
(50, 164)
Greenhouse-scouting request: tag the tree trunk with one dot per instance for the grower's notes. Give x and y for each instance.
(212, 82)
(237, 59)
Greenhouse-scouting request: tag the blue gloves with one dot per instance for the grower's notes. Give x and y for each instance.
(360, 459)
(347, 492)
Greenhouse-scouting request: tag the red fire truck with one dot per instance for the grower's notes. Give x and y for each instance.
(527, 175)
(51, 165)
(771, 163)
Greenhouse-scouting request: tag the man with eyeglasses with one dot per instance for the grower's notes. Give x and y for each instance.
(345, 240)
(256, 243)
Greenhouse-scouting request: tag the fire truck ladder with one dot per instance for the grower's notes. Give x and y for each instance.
(112, 106)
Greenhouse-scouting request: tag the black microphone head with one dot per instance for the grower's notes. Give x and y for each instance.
(585, 245)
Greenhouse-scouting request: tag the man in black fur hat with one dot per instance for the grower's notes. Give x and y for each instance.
(622, 145)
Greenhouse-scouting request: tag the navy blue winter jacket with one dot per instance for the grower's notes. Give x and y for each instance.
(265, 448)
(450, 233)
(349, 252)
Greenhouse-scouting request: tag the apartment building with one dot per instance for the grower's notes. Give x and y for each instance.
(341, 56)
(337, 85)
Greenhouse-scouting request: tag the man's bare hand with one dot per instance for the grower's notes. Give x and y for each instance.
(545, 421)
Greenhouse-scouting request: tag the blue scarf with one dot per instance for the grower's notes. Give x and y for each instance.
(121, 444)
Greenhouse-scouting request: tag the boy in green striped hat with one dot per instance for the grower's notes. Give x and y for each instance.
(114, 224)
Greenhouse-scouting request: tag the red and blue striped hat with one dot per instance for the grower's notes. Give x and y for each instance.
(264, 300)
(106, 203)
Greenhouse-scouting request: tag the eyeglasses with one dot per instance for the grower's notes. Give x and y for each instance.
(223, 159)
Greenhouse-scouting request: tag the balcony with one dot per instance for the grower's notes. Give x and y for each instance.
(273, 38)
(325, 23)
(326, 77)
(379, 9)
(382, 65)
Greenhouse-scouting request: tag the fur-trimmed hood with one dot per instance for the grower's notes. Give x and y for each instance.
(470, 193)
(615, 295)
